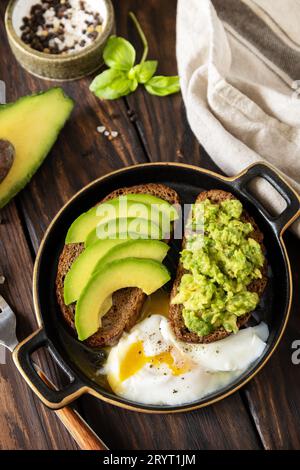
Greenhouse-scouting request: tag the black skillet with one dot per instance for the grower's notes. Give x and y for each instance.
(188, 181)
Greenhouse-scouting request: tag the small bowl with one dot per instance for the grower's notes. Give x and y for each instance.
(57, 67)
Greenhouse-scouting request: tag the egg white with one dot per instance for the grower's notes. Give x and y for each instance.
(196, 370)
(234, 353)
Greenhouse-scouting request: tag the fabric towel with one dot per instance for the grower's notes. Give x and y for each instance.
(239, 64)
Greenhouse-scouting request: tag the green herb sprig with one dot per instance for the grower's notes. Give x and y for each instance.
(124, 76)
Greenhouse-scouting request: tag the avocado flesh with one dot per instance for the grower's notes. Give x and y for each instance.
(93, 238)
(146, 274)
(125, 228)
(164, 207)
(106, 306)
(146, 249)
(83, 267)
(32, 125)
(90, 261)
(130, 206)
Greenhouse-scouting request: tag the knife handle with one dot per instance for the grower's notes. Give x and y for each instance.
(81, 432)
(79, 429)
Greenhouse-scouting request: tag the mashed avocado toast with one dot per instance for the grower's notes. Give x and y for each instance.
(222, 270)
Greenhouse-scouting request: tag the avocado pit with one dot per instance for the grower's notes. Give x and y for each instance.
(7, 155)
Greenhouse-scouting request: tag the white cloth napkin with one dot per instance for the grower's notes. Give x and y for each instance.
(239, 64)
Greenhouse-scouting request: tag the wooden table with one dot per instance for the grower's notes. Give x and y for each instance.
(264, 414)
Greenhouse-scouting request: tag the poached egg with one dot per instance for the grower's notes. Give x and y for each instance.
(150, 365)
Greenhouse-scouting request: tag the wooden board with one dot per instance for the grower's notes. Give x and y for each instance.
(150, 129)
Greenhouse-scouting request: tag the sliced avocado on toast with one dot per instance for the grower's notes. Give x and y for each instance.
(31, 125)
(102, 252)
(127, 303)
(147, 249)
(146, 274)
(126, 228)
(133, 206)
(83, 267)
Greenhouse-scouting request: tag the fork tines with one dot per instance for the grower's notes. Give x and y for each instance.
(3, 303)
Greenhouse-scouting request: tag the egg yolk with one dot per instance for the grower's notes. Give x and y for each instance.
(135, 359)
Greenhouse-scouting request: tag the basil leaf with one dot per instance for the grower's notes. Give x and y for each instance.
(104, 79)
(119, 54)
(134, 84)
(144, 71)
(123, 77)
(163, 86)
(112, 84)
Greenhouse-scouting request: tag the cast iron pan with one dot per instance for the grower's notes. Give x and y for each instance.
(188, 181)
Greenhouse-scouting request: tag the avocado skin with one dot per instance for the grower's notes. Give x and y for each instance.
(57, 124)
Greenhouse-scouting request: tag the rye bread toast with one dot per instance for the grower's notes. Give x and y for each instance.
(258, 285)
(127, 303)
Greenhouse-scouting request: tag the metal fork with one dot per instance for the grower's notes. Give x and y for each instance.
(8, 337)
(73, 421)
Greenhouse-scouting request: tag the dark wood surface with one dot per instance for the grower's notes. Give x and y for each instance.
(265, 414)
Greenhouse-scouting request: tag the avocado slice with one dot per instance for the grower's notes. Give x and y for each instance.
(124, 228)
(146, 274)
(163, 206)
(93, 238)
(83, 267)
(31, 125)
(90, 261)
(146, 249)
(106, 306)
(131, 205)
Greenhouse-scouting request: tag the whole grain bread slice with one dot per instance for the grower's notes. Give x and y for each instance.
(258, 285)
(127, 303)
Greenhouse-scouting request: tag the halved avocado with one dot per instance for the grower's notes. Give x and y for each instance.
(31, 125)
(129, 206)
(146, 274)
(83, 267)
(125, 228)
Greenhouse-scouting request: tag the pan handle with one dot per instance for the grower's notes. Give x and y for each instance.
(280, 222)
(54, 399)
